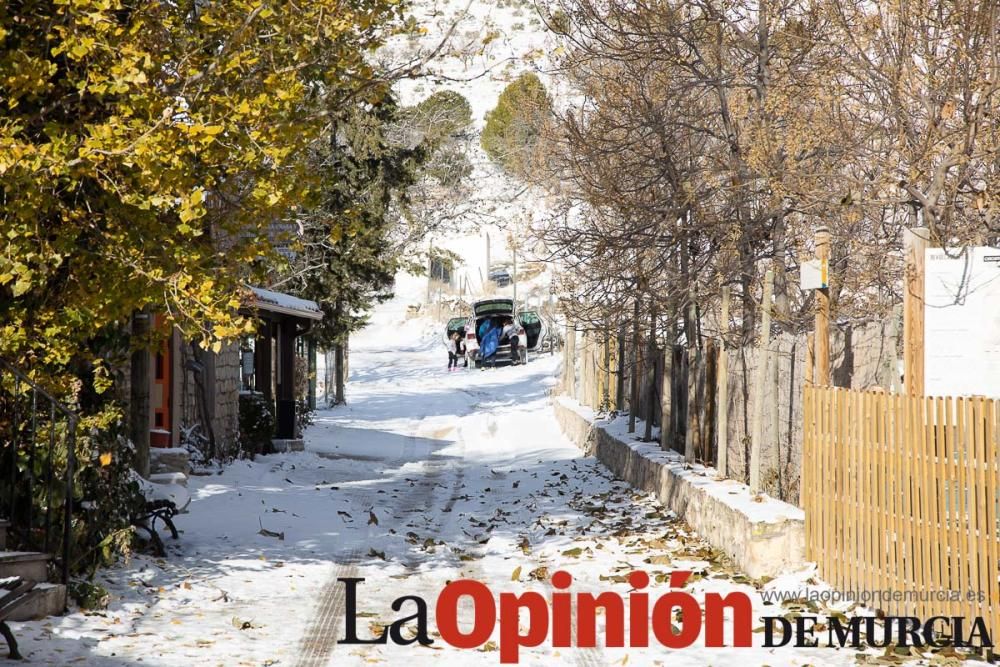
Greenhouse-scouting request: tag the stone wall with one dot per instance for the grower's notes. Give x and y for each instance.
(226, 389)
(222, 380)
(764, 538)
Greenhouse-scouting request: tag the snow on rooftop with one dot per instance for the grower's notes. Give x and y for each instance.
(279, 302)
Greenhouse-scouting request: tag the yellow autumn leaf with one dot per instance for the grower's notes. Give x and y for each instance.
(105, 459)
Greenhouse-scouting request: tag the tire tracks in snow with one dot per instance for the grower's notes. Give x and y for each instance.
(582, 657)
(319, 642)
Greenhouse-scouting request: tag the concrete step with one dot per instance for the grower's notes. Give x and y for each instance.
(25, 564)
(178, 478)
(47, 600)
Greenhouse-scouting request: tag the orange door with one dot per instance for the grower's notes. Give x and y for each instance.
(160, 396)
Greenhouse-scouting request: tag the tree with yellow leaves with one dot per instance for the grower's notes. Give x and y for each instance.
(146, 147)
(146, 150)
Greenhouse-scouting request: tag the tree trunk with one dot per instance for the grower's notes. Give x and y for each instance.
(327, 376)
(139, 393)
(340, 353)
(347, 359)
(606, 372)
(340, 373)
(709, 431)
(569, 360)
(782, 309)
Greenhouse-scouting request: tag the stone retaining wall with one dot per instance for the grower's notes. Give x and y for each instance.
(763, 538)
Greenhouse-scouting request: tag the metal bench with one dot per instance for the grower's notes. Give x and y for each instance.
(158, 510)
(16, 592)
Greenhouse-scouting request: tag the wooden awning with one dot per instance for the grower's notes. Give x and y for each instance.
(284, 304)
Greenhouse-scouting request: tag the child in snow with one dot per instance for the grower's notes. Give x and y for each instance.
(453, 346)
(460, 350)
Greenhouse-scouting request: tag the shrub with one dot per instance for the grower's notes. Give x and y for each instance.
(89, 596)
(106, 497)
(559, 22)
(514, 125)
(443, 115)
(109, 498)
(256, 423)
(303, 413)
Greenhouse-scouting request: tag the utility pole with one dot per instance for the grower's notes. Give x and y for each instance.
(915, 243)
(821, 343)
(430, 267)
(514, 251)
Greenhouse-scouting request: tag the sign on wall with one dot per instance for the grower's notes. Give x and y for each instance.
(962, 322)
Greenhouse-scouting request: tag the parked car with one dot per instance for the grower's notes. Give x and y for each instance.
(501, 276)
(496, 311)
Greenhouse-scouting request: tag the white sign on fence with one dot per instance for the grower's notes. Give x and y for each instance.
(813, 274)
(962, 322)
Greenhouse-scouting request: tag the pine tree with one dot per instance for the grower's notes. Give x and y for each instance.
(349, 252)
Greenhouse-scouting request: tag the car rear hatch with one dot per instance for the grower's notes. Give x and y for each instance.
(491, 313)
(456, 325)
(491, 307)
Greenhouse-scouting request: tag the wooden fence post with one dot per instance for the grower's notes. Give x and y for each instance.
(821, 345)
(620, 378)
(774, 415)
(760, 377)
(633, 402)
(569, 359)
(915, 242)
(709, 387)
(722, 420)
(691, 378)
(650, 412)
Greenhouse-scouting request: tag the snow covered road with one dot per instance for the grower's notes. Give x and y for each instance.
(423, 478)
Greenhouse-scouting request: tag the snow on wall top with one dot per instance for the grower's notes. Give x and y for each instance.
(757, 508)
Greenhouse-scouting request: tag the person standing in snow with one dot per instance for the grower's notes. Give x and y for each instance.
(511, 337)
(453, 351)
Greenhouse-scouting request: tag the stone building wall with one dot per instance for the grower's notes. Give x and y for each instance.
(228, 380)
(222, 381)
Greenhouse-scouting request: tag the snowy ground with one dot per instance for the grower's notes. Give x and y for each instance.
(423, 478)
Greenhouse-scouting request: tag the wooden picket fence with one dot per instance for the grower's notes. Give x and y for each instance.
(900, 494)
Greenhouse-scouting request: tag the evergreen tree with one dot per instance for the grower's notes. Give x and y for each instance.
(515, 124)
(349, 252)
